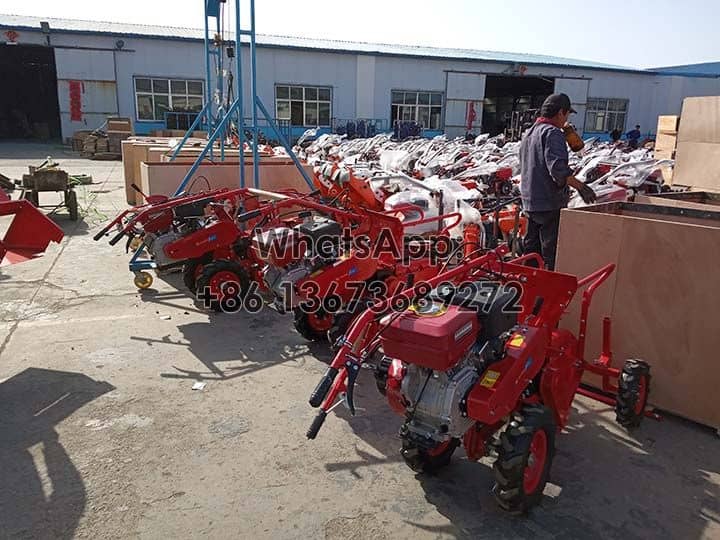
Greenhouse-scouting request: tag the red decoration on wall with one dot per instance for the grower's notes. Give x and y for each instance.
(470, 115)
(12, 36)
(75, 101)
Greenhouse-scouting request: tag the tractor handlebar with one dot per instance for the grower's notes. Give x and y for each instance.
(323, 387)
(115, 239)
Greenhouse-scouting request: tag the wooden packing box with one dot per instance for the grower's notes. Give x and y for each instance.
(663, 297)
(275, 173)
(665, 143)
(699, 200)
(668, 124)
(123, 125)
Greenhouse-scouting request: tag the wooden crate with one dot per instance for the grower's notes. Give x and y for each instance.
(668, 124)
(662, 297)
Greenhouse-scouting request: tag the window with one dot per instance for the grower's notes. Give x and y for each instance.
(425, 108)
(304, 105)
(154, 97)
(605, 114)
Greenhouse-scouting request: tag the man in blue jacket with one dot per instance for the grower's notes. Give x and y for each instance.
(545, 177)
(633, 137)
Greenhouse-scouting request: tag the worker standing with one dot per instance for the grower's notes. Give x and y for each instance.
(545, 177)
(633, 137)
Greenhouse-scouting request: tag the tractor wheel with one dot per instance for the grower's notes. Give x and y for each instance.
(192, 271)
(143, 280)
(525, 454)
(215, 279)
(312, 326)
(633, 390)
(422, 460)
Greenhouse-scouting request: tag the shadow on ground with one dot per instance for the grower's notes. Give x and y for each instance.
(605, 482)
(32, 403)
(35, 151)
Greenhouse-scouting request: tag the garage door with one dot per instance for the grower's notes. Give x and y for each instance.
(464, 92)
(87, 91)
(577, 90)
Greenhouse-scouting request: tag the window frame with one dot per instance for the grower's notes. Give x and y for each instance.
(407, 111)
(307, 102)
(170, 95)
(620, 109)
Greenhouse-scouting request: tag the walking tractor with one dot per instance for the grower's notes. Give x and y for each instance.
(474, 356)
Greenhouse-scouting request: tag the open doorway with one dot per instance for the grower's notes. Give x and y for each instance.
(505, 94)
(28, 93)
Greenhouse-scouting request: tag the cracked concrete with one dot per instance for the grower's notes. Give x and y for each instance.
(101, 435)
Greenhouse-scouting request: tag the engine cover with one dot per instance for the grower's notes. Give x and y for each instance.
(438, 415)
(278, 246)
(275, 278)
(436, 337)
(156, 247)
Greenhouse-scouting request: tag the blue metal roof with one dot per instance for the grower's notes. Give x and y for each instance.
(169, 32)
(706, 68)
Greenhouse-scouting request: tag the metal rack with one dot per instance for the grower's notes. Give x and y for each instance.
(217, 119)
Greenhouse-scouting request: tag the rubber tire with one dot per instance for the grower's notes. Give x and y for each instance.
(72, 204)
(425, 463)
(305, 329)
(628, 393)
(190, 269)
(513, 453)
(222, 266)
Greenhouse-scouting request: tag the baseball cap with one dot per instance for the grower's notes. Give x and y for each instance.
(554, 103)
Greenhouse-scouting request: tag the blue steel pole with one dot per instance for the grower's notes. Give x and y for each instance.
(208, 80)
(284, 142)
(239, 98)
(222, 125)
(253, 75)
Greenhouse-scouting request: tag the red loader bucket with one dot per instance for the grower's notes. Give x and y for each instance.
(29, 233)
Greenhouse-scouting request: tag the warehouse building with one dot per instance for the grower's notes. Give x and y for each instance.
(66, 75)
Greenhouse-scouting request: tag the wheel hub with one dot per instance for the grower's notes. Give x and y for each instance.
(536, 461)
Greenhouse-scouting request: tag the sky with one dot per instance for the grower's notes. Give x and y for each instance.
(635, 33)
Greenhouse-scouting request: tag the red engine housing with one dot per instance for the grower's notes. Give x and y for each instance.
(436, 338)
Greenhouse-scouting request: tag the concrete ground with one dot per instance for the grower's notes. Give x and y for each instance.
(102, 436)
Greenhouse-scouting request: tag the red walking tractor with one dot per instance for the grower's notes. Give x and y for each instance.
(474, 356)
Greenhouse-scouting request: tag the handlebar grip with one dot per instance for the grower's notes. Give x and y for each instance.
(245, 216)
(115, 239)
(323, 387)
(102, 232)
(316, 425)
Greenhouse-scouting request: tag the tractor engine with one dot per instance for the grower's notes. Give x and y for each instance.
(156, 243)
(293, 253)
(436, 353)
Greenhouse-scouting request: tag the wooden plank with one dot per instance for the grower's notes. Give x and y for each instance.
(588, 241)
(699, 121)
(697, 164)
